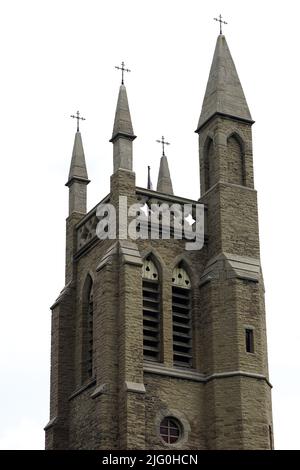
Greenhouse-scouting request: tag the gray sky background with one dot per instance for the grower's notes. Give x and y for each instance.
(59, 56)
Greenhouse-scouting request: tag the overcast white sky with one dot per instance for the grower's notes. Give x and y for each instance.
(58, 56)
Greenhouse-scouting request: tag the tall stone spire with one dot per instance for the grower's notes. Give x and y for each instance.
(78, 178)
(122, 135)
(224, 93)
(164, 182)
(78, 166)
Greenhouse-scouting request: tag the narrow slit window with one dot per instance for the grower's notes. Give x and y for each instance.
(87, 331)
(271, 437)
(90, 335)
(249, 336)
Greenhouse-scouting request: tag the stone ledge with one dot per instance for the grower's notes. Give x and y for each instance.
(107, 257)
(82, 388)
(197, 376)
(102, 389)
(240, 373)
(78, 179)
(225, 183)
(170, 372)
(233, 266)
(63, 293)
(222, 115)
(135, 387)
(51, 423)
(130, 253)
(167, 197)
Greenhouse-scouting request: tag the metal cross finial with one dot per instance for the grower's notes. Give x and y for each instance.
(221, 21)
(163, 142)
(78, 118)
(123, 70)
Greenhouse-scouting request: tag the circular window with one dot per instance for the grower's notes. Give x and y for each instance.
(170, 430)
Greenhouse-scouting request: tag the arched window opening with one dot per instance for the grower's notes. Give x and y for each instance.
(151, 311)
(235, 161)
(181, 317)
(209, 166)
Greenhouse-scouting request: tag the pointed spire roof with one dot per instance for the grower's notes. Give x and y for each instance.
(78, 167)
(224, 93)
(164, 182)
(122, 124)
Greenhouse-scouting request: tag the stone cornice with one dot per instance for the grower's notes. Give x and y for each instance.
(195, 376)
(79, 179)
(223, 115)
(62, 294)
(51, 423)
(234, 266)
(165, 197)
(122, 135)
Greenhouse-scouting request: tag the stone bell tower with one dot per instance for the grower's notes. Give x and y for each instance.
(239, 414)
(155, 346)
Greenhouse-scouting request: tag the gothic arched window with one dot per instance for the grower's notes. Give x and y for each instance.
(87, 330)
(151, 311)
(235, 161)
(181, 317)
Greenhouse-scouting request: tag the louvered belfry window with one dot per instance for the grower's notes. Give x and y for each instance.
(181, 316)
(151, 311)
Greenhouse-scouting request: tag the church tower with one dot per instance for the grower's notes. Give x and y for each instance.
(155, 346)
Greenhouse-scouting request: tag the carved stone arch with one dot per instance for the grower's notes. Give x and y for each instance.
(208, 139)
(182, 260)
(235, 159)
(87, 285)
(236, 135)
(157, 260)
(150, 270)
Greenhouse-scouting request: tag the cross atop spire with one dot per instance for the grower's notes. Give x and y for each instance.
(78, 117)
(123, 70)
(163, 142)
(221, 21)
